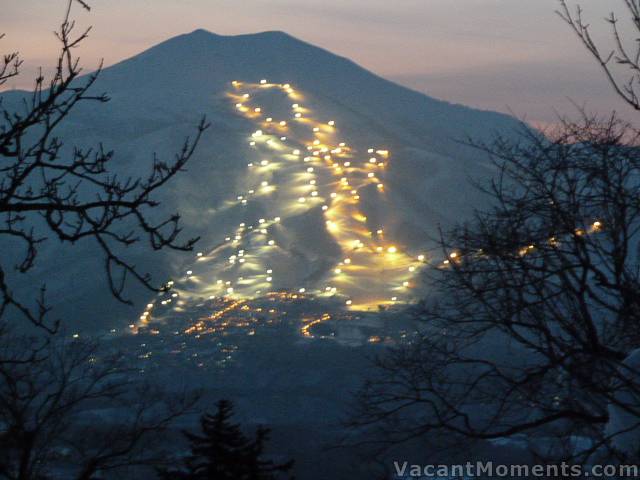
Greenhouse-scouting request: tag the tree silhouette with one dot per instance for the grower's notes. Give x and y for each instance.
(51, 192)
(223, 452)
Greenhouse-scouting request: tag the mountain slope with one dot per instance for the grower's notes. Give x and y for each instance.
(157, 98)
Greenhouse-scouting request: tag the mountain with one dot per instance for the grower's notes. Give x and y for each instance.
(158, 96)
(277, 308)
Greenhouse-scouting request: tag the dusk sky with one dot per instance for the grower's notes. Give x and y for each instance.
(494, 54)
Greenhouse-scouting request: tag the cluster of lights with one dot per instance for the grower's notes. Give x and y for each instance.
(330, 177)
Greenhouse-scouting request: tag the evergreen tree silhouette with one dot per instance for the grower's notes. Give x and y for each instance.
(223, 452)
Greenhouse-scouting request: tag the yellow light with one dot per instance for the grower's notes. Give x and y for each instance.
(392, 249)
(380, 186)
(269, 119)
(283, 123)
(316, 142)
(405, 284)
(347, 261)
(316, 129)
(412, 269)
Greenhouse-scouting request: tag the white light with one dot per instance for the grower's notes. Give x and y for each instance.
(263, 81)
(331, 123)
(189, 272)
